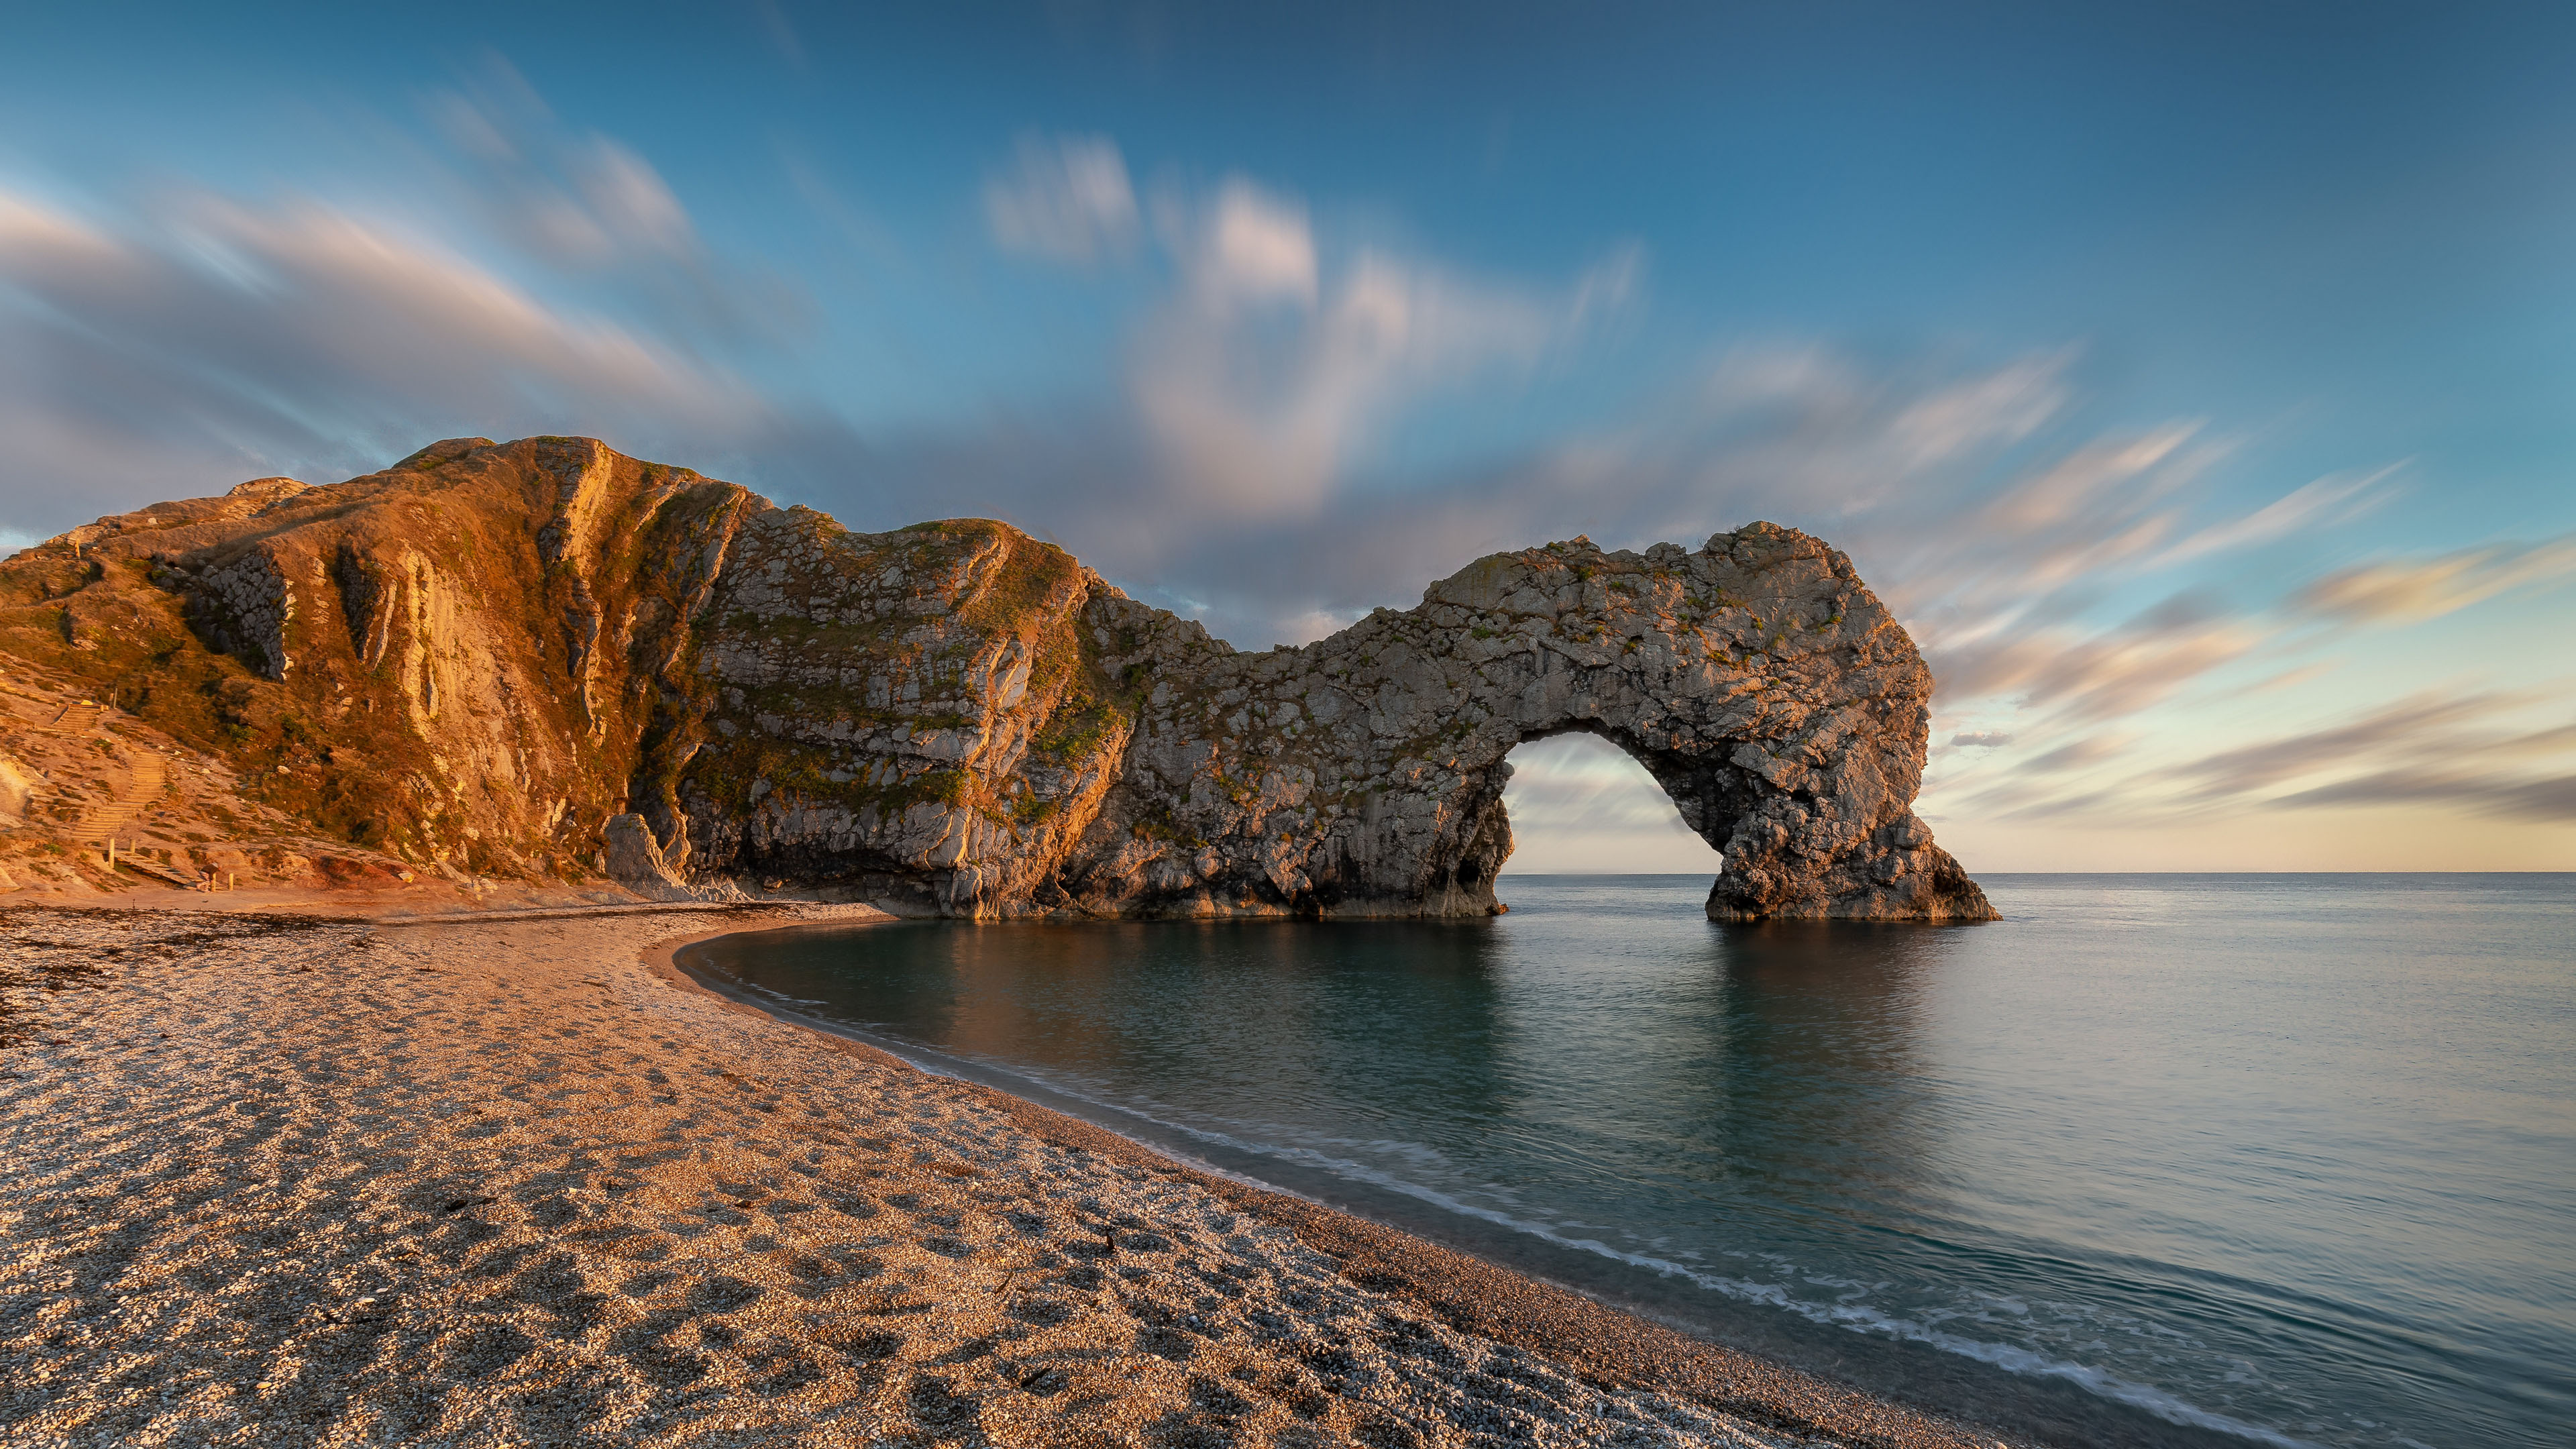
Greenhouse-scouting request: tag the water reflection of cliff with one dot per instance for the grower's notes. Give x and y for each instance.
(1312, 1025)
(1753, 1055)
(1771, 1070)
(1828, 1083)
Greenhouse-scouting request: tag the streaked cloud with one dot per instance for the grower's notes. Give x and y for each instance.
(1246, 248)
(2551, 799)
(582, 200)
(1262, 376)
(2079, 754)
(1066, 199)
(210, 339)
(2464, 752)
(2424, 752)
(2091, 677)
(2405, 591)
(2411, 726)
(591, 208)
(2321, 503)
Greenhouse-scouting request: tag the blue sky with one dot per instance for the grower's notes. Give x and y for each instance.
(2198, 382)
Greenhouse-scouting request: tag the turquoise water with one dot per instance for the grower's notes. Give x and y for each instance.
(2154, 1160)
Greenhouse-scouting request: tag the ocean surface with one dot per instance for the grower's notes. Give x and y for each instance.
(2154, 1160)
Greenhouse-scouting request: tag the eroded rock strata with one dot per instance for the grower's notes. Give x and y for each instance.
(545, 657)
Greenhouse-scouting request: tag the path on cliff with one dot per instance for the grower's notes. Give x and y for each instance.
(137, 780)
(137, 784)
(77, 718)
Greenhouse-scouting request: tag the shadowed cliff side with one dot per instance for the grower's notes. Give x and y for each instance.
(543, 657)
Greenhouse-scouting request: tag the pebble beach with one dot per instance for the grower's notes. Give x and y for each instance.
(297, 1179)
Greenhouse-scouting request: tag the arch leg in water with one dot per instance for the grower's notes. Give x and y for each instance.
(1757, 678)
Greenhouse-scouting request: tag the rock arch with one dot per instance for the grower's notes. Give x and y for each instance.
(523, 656)
(1757, 679)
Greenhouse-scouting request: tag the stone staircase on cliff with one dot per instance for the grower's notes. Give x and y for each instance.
(139, 787)
(77, 718)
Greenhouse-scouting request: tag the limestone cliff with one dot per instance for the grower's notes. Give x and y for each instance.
(543, 656)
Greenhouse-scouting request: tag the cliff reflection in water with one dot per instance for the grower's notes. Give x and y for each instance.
(1771, 1052)
(1826, 1085)
(1226, 1023)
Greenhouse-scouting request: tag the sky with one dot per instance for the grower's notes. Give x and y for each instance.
(2196, 382)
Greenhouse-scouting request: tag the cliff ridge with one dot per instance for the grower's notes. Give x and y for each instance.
(546, 659)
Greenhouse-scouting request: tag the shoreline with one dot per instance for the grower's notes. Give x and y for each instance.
(1464, 1291)
(812, 1193)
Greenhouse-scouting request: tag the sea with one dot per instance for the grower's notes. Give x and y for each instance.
(2153, 1160)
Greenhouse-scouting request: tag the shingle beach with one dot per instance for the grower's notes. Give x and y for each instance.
(279, 1179)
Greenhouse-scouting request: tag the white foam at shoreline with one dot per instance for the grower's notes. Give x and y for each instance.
(1858, 1318)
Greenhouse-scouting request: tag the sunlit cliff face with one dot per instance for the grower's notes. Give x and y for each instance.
(516, 657)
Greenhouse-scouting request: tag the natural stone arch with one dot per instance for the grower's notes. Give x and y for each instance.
(1757, 679)
(529, 654)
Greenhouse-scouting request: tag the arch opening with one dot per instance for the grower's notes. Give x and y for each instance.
(1581, 805)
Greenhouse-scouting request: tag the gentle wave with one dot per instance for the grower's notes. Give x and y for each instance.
(1982, 1151)
(1856, 1318)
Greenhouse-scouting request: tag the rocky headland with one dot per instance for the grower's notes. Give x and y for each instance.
(546, 661)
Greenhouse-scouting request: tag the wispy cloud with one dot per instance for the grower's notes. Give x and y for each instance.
(1252, 392)
(2551, 799)
(592, 208)
(1263, 374)
(215, 338)
(180, 341)
(2463, 752)
(2088, 677)
(1067, 199)
(2411, 726)
(2325, 502)
(582, 200)
(2412, 590)
(2421, 752)
(2080, 753)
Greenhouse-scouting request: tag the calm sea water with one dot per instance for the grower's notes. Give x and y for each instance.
(2154, 1160)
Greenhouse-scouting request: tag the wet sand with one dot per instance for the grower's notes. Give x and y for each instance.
(287, 1180)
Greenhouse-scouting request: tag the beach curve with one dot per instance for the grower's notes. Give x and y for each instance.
(335, 1180)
